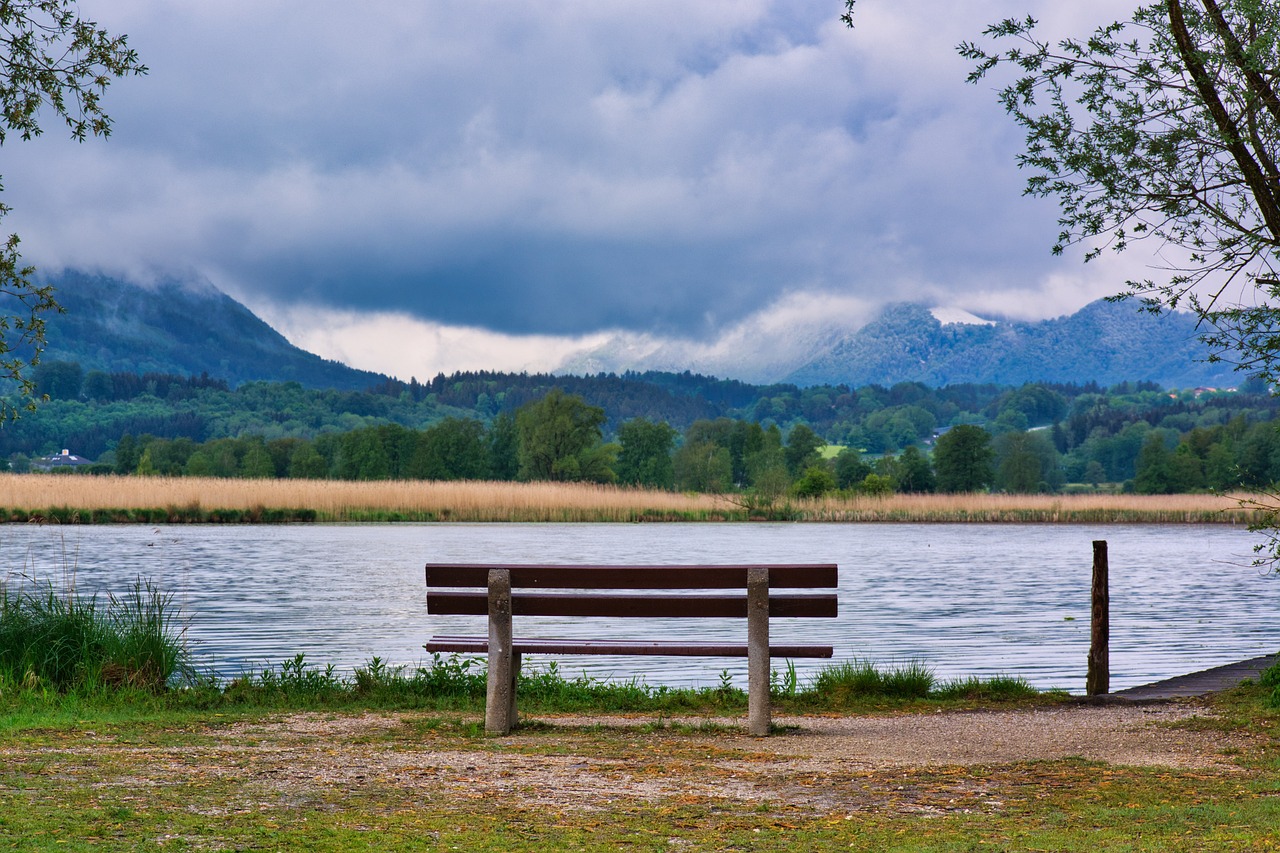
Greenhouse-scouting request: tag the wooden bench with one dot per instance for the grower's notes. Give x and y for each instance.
(503, 591)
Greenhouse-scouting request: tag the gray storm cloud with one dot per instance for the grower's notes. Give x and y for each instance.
(558, 168)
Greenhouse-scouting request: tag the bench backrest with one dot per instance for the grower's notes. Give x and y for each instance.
(452, 590)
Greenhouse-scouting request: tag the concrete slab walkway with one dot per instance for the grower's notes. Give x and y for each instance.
(1199, 683)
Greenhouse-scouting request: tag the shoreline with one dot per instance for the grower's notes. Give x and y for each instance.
(63, 499)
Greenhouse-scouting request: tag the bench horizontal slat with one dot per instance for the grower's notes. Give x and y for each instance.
(480, 645)
(671, 606)
(786, 576)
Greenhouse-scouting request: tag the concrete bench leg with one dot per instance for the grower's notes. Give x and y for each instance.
(500, 689)
(758, 711)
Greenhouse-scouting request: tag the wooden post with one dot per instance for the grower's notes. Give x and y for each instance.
(758, 712)
(1098, 681)
(500, 698)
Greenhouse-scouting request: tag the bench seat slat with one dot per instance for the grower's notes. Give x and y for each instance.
(822, 605)
(480, 645)
(784, 576)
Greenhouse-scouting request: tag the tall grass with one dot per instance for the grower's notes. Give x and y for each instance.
(841, 683)
(64, 641)
(849, 682)
(161, 499)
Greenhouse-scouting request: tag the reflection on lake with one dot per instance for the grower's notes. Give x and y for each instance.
(965, 599)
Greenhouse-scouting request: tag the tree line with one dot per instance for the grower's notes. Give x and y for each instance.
(1029, 439)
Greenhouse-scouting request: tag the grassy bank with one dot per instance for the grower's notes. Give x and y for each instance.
(130, 774)
(153, 500)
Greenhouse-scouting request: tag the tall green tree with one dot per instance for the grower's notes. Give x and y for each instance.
(257, 463)
(963, 458)
(560, 439)
(51, 59)
(802, 449)
(913, 473)
(504, 447)
(306, 463)
(1018, 464)
(645, 455)
(1186, 470)
(850, 470)
(703, 466)
(362, 456)
(1027, 462)
(454, 449)
(1153, 474)
(127, 454)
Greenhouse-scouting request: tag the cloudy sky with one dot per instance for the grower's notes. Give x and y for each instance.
(423, 185)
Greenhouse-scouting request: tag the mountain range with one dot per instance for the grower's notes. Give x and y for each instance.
(1107, 342)
(193, 328)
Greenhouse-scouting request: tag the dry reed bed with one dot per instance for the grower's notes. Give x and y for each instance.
(1096, 508)
(342, 500)
(34, 495)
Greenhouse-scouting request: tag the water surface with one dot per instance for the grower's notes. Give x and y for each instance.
(965, 599)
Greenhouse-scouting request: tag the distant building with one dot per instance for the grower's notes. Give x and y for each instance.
(65, 459)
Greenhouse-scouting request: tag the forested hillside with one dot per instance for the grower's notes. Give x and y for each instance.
(179, 327)
(666, 430)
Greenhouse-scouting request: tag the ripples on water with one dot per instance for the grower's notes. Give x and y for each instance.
(965, 599)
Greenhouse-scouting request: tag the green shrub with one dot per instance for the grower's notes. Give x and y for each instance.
(453, 677)
(65, 641)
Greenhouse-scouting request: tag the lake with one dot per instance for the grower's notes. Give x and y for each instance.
(964, 599)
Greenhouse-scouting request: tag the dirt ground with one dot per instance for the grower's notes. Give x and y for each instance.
(815, 763)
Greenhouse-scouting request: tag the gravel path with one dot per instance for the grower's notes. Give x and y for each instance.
(1142, 735)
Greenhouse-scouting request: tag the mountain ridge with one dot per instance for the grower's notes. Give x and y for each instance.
(183, 327)
(1105, 342)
